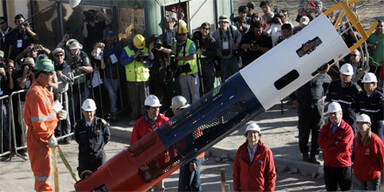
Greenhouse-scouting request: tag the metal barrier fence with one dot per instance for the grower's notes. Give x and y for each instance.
(12, 126)
(5, 134)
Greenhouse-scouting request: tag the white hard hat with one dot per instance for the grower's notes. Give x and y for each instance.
(334, 107)
(89, 105)
(252, 127)
(179, 102)
(369, 78)
(346, 69)
(363, 118)
(152, 101)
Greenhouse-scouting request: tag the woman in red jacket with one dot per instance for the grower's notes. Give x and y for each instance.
(254, 169)
(369, 151)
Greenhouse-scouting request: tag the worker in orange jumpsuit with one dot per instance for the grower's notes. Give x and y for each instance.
(41, 119)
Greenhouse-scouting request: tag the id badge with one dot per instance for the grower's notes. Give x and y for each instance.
(19, 43)
(113, 58)
(225, 45)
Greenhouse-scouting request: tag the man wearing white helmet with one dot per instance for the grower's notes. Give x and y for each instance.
(345, 92)
(147, 123)
(254, 168)
(189, 177)
(369, 156)
(91, 133)
(335, 139)
(371, 102)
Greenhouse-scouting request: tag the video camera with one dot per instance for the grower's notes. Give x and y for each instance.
(90, 15)
(156, 41)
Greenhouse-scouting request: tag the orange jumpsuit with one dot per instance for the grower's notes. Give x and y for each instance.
(41, 121)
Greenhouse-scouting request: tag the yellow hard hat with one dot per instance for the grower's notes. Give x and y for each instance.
(182, 29)
(139, 41)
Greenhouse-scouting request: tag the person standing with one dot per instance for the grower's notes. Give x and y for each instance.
(207, 54)
(227, 42)
(376, 48)
(146, 124)
(310, 107)
(254, 168)
(91, 133)
(185, 53)
(371, 102)
(41, 119)
(345, 92)
(369, 159)
(135, 59)
(189, 176)
(335, 139)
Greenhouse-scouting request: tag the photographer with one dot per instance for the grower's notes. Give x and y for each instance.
(21, 37)
(65, 76)
(187, 69)
(94, 24)
(80, 64)
(135, 59)
(227, 41)
(255, 43)
(161, 81)
(33, 51)
(206, 45)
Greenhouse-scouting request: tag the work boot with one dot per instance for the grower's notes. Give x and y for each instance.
(312, 159)
(305, 157)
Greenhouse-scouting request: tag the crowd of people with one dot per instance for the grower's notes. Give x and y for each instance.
(147, 72)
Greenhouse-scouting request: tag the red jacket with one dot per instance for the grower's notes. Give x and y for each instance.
(369, 159)
(336, 147)
(258, 175)
(143, 127)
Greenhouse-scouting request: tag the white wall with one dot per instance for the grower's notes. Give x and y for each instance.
(201, 11)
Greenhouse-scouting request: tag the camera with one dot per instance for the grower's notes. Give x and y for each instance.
(157, 41)
(158, 45)
(141, 57)
(25, 23)
(254, 45)
(90, 15)
(225, 52)
(197, 36)
(76, 62)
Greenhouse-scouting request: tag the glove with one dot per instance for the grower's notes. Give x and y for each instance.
(62, 114)
(52, 142)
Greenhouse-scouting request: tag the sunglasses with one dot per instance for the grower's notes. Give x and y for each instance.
(2, 22)
(59, 55)
(181, 34)
(206, 28)
(354, 55)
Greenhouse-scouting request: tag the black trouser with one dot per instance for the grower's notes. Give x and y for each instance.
(90, 162)
(310, 121)
(137, 92)
(208, 72)
(337, 176)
